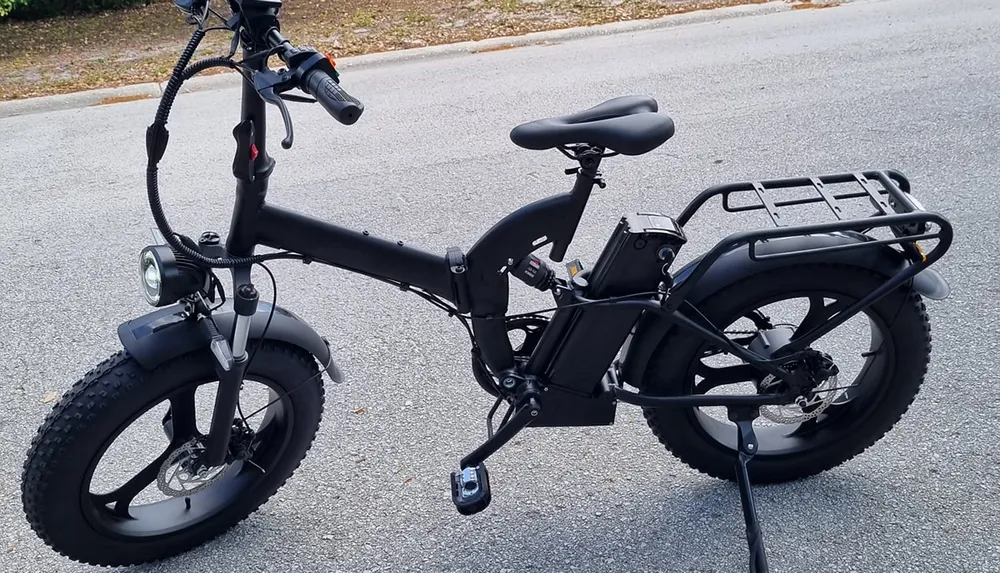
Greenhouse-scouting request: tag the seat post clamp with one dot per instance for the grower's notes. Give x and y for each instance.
(459, 278)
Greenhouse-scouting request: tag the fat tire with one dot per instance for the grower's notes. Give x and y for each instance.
(98, 404)
(666, 373)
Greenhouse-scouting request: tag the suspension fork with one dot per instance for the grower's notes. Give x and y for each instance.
(230, 366)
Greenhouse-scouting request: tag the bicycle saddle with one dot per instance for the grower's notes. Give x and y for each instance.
(627, 124)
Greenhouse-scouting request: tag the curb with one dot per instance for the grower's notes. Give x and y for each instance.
(78, 99)
(108, 96)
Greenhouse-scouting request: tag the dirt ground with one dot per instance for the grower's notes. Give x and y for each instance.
(142, 44)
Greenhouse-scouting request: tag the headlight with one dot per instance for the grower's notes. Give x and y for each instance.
(151, 277)
(166, 277)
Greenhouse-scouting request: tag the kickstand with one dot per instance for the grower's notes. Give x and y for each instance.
(744, 416)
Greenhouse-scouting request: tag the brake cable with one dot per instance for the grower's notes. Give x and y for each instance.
(156, 144)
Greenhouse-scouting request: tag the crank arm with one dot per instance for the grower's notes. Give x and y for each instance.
(520, 420)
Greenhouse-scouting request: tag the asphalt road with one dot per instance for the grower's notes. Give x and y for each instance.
(870, 84)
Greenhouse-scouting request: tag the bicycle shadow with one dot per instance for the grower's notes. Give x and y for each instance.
(699, 528)
(687, 525)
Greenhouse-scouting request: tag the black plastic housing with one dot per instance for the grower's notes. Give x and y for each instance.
(168, 333)
(583, 341)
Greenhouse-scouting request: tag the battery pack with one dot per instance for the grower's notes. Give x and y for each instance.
(583, 341)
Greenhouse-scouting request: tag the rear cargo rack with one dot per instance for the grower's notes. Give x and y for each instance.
(894, 184)
(896, 210)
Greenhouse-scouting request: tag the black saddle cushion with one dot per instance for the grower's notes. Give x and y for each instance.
(627, 124)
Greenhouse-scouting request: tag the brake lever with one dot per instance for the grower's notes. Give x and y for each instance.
(265, 82)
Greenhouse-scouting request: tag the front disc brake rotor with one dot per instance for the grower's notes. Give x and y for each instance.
(183, 474)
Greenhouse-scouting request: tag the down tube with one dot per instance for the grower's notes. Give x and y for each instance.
(288, 230)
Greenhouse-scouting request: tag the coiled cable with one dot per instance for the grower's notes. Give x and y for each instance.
(156, 143)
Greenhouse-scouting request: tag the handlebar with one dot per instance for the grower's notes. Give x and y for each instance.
(312, 73)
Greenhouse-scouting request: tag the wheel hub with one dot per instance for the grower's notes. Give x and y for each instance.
(816, 392)
(184, 473)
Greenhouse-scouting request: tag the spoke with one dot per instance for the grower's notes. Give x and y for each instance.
(182, 417)
(715, 377)
(819, 312)
(123, 496)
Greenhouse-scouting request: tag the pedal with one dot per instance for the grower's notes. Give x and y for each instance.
(470, 489)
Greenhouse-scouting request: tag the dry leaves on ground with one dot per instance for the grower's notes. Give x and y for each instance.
(142, 44)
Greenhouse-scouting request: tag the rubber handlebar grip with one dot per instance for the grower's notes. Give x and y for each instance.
(341, 105)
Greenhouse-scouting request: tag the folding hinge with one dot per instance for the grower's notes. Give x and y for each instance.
(459, 278)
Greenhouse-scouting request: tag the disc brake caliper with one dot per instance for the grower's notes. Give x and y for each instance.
(814, 386)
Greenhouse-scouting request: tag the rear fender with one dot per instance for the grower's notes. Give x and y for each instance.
(736, 265)
(167, 333)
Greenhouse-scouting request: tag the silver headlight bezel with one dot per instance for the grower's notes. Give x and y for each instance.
(148, 260)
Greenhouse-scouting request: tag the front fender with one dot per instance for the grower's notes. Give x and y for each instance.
(736, 265)
(166, 333)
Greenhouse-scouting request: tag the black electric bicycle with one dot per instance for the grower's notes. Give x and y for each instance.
(630, 320)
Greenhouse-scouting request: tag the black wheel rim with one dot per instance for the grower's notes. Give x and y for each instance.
(114, 512)
(845, 412)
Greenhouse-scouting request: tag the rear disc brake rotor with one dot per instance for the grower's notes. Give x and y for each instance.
(803, 409)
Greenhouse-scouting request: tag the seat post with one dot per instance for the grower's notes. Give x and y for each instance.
(587, 175)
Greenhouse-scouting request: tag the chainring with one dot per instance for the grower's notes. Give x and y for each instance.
(533, 327)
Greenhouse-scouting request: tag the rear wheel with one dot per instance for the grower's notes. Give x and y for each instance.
(158, 505)
(882, 354)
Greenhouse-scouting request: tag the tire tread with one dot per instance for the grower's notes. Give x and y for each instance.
(80, 405)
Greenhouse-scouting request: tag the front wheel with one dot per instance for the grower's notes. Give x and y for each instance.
(164, 503)
(882, 354)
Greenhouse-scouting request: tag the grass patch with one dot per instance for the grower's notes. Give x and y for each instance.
(363, 19)
(418, 18)
(810, 5)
